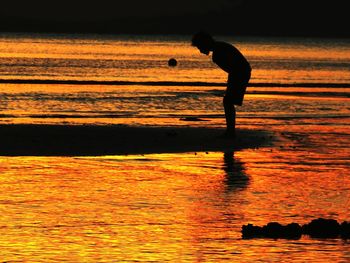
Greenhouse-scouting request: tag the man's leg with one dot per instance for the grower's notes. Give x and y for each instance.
(230, 115)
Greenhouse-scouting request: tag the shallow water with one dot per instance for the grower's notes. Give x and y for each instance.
(178, 207)
(145, 58)
(194, 88)
(174, 207)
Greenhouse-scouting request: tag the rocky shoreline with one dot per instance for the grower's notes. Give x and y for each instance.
(317, 228)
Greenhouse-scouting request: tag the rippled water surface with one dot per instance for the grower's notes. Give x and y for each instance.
(171, 207)
(185, 207)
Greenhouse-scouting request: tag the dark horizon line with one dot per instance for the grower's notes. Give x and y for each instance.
(222, 25)
(175, 32)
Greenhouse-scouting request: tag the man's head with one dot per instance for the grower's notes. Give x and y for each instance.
(203, 41)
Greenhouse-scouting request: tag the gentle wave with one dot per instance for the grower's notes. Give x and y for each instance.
(165, 96)
(170, 83)
(303, 93)
(189, 117)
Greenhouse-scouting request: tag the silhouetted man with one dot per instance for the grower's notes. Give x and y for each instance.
(231, 60)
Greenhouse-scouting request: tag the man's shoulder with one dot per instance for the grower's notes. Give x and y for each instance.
(223, 47)
(222, 44)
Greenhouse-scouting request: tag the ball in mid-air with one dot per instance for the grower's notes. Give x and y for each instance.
(172, 62)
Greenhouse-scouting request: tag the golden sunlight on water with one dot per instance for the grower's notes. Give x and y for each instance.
(168, 207)
(145, 59)
(163, 105)
(174, 207)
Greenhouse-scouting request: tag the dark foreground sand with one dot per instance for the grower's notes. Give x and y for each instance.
(91, 140)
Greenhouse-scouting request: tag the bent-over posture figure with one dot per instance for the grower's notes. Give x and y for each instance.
(231, 60)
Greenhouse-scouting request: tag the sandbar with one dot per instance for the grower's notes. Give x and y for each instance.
(98, 140)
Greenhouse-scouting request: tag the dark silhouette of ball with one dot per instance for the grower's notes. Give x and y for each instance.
(172, 62)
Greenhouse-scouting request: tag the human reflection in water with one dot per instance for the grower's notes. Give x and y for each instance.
(235, 179)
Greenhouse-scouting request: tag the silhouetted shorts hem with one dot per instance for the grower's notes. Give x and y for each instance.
(236, 97)
(236, 88)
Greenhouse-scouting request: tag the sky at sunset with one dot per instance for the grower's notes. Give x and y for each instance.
(294, 17)
(93, 10)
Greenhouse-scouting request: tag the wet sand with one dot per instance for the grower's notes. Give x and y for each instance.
(95, 140)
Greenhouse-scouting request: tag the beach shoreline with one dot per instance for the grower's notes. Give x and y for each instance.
(98, 140)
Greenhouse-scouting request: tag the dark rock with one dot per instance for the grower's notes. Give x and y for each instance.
(251, 231)
(345, 230)
(292, 231)
(322, 228)
(317, 228)
(272, 230)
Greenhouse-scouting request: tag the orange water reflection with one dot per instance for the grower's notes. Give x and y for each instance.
(176, 207)
(164, 106)
(145, 58)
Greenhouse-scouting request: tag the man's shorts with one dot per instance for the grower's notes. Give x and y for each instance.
(236, 87)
